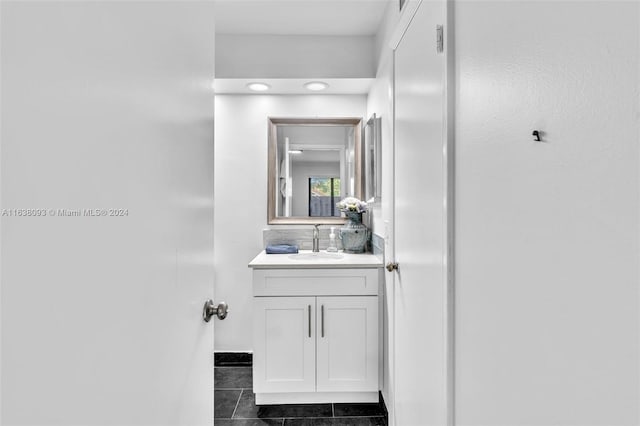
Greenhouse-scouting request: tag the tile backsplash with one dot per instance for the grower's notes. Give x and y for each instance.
(302, 236)
(377, 245)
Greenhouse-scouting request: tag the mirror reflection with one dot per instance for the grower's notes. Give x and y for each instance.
(372, 159)
(313, 164)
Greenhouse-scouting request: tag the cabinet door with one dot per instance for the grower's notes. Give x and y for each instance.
(284, 344)
(347, 341)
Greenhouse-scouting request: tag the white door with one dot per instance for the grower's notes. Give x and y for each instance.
(107, 195)
(284, 344)
(420, 220)
(347, 344)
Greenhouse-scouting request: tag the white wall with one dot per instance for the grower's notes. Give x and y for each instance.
(241, 193)
(547, 233)
(107, 105)
(380, 102)
(388, 26)
(294, 56)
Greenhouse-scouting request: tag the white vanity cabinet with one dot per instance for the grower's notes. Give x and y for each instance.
(316, 335)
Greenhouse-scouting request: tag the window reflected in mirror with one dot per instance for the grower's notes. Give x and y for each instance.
(324, 193)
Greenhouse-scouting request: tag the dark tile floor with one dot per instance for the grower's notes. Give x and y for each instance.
(235, 405)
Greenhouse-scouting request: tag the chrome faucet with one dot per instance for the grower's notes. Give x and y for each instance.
(316, 238)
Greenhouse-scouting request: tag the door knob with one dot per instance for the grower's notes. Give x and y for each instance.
(392, 266)
(210, 309)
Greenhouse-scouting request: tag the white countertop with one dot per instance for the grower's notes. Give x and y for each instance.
(309, 260)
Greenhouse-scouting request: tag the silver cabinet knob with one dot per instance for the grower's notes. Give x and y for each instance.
(392, 266)
(210, 309)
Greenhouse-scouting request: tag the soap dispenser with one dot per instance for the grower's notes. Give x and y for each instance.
(333, 247)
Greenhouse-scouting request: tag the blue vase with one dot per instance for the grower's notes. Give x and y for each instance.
(354, 233)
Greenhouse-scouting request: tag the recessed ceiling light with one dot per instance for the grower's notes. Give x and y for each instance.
(316, 86)
(258, 87)
(295, 151)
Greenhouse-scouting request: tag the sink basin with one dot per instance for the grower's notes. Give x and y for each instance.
(315, 256)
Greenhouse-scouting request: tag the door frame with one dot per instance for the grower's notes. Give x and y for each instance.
(408, 12)
(449, 149)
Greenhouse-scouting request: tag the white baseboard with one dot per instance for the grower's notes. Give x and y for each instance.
(315, 397)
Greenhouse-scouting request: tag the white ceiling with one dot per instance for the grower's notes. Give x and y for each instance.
(293, 86)
(300, 17)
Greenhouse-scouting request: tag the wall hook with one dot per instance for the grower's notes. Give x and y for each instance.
(536, 134)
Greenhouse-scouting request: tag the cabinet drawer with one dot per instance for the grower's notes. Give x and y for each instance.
(315, 282)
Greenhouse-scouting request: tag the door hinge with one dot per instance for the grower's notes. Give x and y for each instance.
(439, 39)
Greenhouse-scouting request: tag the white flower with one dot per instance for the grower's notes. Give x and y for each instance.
(352, 204)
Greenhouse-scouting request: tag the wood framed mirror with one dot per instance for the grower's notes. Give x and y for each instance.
(312, 164)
